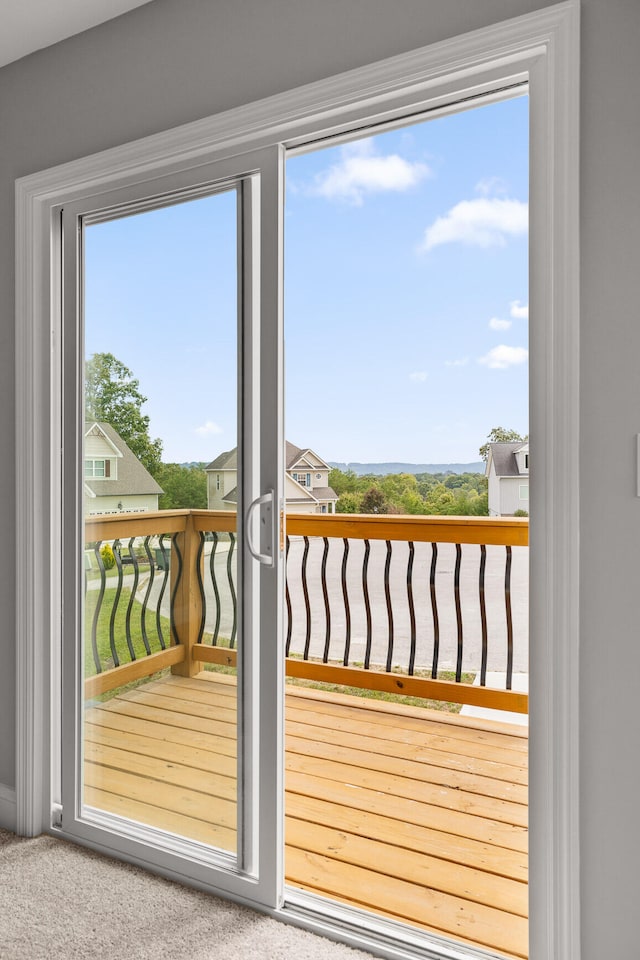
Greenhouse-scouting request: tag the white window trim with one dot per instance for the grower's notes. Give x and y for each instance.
(543, 46)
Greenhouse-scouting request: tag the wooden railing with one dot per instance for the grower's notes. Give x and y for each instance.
(346, 574)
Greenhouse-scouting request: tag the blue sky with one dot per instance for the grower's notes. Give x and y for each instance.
(406, 318)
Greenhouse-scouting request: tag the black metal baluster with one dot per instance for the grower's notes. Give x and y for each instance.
(114, 608)
(456, 590)
(232, 590)
(175, 549)
(163, 587)
(203, 599)
(367, 604)
(132, 597)
(412, 612)
(483, 616)
(387, 595)
(288, 598)
(507, 602)
(434, 611)
(147, 595)
(305, 594)
(325, 597)
(347, 610)
(96, 612)
(216, 592)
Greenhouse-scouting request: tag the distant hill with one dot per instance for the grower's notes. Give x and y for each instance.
(383, 468)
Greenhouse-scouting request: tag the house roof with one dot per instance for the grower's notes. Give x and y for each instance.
(225, 461)
(324, 493)
(292, 454)
(231, 497)
(133, 478)
(504, 461)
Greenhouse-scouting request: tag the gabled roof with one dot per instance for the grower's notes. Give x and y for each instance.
(133, 479)
(292, 455)
(503, 457)
(95, 429)
(295, 455)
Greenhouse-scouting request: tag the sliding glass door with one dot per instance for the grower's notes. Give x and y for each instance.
(171, 558)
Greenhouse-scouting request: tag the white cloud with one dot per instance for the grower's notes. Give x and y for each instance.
(496, 324)
(419, 376)
(208, 429)
(362, 171)
(491, 185)
(499, 358)
(461, 362)
(519, 311)
(485, 222)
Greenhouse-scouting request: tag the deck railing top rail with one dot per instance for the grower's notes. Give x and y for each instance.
(503, 531)
(112, 526)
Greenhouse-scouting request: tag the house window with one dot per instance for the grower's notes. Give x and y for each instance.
(323, 508)
(96, 469)
(217, 481)
(318, 476)
(526, 461)
(304, 479)
(524, 491)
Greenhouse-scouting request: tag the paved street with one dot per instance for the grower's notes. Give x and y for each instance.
(469, 594)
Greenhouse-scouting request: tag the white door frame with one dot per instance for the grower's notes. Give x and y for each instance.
(541, 48)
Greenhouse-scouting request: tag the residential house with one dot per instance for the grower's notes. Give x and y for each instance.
(174, 61)
(114, 479)
(507, 472)
(307, 487)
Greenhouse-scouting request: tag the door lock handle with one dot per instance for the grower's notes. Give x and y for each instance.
(266, 501)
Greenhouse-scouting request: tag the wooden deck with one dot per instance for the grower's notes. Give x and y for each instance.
(417, 815)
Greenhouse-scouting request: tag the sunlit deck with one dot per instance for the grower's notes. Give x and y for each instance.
(418, 815)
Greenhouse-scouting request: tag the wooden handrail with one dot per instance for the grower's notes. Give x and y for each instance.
(114, 526)
(503, 531)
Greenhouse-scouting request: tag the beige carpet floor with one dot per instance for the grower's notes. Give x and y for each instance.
(61, 902)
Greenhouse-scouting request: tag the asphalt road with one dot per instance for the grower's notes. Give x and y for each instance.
(401, 628)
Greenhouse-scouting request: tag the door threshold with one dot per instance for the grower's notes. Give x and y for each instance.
(363, 930)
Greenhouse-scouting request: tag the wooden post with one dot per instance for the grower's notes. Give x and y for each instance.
(187, 606)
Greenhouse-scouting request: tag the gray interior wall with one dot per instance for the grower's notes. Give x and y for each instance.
(177, 60)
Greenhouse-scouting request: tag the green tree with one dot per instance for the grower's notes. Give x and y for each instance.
(349, 503)
(343, 481)
(184, 487)
(500, 435)
(112, 394)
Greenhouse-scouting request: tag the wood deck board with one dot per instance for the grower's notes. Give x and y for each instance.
(409, 901)
(424, 772)
(398, 811)
(412, 752)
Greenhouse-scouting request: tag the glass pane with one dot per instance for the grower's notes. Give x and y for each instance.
(161, 593)
(406, 266)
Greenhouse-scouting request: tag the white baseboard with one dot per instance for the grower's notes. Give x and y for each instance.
(8, 810)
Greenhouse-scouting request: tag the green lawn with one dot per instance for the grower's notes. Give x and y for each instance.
(120, 641)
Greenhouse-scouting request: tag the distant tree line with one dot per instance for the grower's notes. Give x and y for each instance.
(452, 494)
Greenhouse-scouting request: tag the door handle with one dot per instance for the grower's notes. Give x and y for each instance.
(266, 501)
